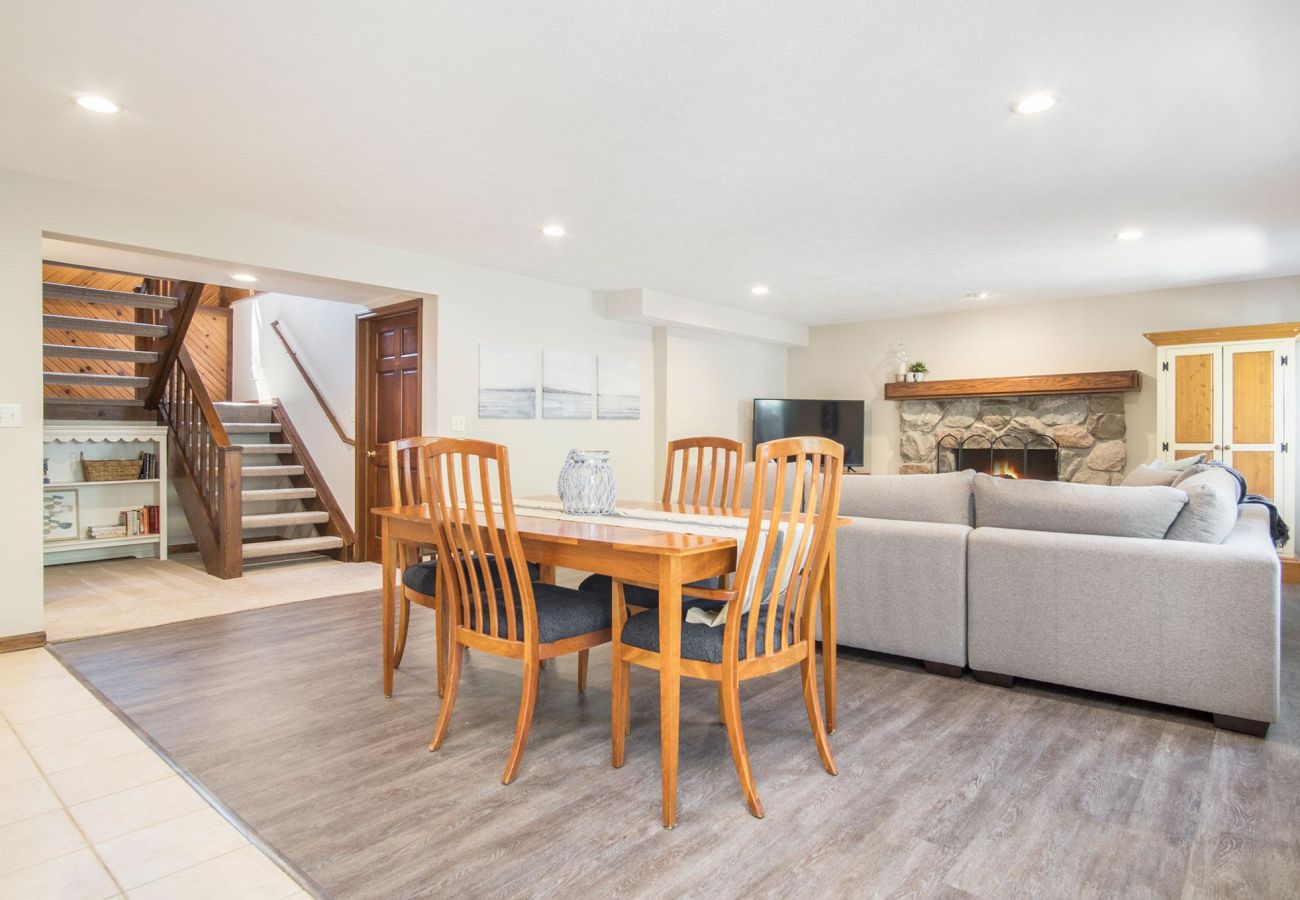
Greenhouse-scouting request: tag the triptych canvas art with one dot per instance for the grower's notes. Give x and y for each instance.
(574, 385)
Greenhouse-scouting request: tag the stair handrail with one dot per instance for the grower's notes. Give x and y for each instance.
(311, 385)
(169, 347)
(211, 490)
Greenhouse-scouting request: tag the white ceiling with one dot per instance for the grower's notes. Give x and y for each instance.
(857, 156)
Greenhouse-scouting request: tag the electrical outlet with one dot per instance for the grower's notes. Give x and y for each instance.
(458, 423)
(11, 415)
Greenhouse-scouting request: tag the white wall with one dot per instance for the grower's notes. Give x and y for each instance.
(853, 361)
(323, 334)
(20, 448)
(709, 385)
(545, 316)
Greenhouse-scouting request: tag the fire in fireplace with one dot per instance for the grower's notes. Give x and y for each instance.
(1006, 456)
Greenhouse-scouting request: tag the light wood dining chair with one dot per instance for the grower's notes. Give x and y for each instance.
(478, 545)
(419, 571)
(770, 616)
(709, 475)
(418, 563)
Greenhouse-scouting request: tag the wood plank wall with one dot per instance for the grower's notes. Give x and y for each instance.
(209, 338)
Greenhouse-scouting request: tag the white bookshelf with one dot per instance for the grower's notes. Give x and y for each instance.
(102, 502)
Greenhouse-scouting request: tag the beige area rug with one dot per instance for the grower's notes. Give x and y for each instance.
(96, 598)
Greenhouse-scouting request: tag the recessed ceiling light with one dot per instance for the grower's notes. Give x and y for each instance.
(1129, 234)
(96, 103)
(554, 231)
(760, 290)
(1032, 104)
(243, 276)
(979, 295)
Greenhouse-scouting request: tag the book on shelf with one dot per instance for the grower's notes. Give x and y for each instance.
(101, 532)
(130, 523)
(148, 465)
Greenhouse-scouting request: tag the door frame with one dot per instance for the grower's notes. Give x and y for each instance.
(366, 322)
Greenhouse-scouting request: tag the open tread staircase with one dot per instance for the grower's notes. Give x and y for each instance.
(104, 326)
(81, 402)
(91, 379)
(74, 293)
(81, 351)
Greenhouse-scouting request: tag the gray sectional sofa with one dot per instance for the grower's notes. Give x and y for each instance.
(1070, 584)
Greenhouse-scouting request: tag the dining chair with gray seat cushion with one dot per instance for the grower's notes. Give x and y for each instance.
(768, 622)
(474, 527)
(423, 576)
(561, 613)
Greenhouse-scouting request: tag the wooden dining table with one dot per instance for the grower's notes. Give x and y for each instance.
(669, 560)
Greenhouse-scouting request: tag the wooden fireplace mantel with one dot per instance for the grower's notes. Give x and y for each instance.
(1017, 386)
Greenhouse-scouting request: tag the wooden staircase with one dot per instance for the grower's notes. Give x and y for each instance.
(218, 449)
(287, 508)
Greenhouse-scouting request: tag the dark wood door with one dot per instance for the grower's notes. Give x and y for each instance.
(388, 395)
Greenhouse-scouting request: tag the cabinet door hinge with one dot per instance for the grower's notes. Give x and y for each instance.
(1164, 448)
(1285, 360)
(1164, 366)
(1284, 447)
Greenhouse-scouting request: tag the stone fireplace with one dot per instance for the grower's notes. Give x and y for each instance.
(1088, 429)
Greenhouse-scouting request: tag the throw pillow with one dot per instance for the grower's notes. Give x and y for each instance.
(1141, 512)
(1179, 465)
(1211, 510)
(1148, 475)
(1190, 471)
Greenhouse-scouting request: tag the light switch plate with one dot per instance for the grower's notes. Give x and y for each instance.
(11, 415)
(458, 423)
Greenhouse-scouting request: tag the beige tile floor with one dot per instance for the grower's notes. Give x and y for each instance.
(88, 810)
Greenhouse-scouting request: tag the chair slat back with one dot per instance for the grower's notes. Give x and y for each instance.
(479, 549)
(406, 470)
(709, 473)
(787, 542)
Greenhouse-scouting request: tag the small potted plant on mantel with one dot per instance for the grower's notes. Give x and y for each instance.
(916, 371)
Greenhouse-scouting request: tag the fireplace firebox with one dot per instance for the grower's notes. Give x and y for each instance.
(1006, 456)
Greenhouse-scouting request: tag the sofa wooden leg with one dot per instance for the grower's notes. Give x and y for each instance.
(1245, 726)
(938, 668)
(997, 678)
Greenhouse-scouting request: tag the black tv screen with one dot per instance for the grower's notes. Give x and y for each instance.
(842, 421)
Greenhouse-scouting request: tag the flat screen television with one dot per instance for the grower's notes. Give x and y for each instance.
(842, 421)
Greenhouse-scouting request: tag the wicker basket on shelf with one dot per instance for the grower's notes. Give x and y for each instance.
(110, 469)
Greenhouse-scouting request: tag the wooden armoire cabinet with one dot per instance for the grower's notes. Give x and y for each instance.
(1231, 393)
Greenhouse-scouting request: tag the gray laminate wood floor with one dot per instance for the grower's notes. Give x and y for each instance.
(946, 788)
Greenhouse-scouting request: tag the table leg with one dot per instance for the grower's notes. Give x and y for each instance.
(670, 679)
(828, 637)
(389, 562)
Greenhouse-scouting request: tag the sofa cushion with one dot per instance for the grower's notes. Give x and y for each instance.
(1211, 510)
(1147, 475)
(944, 499)
(1144, 512)
(769, 485)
